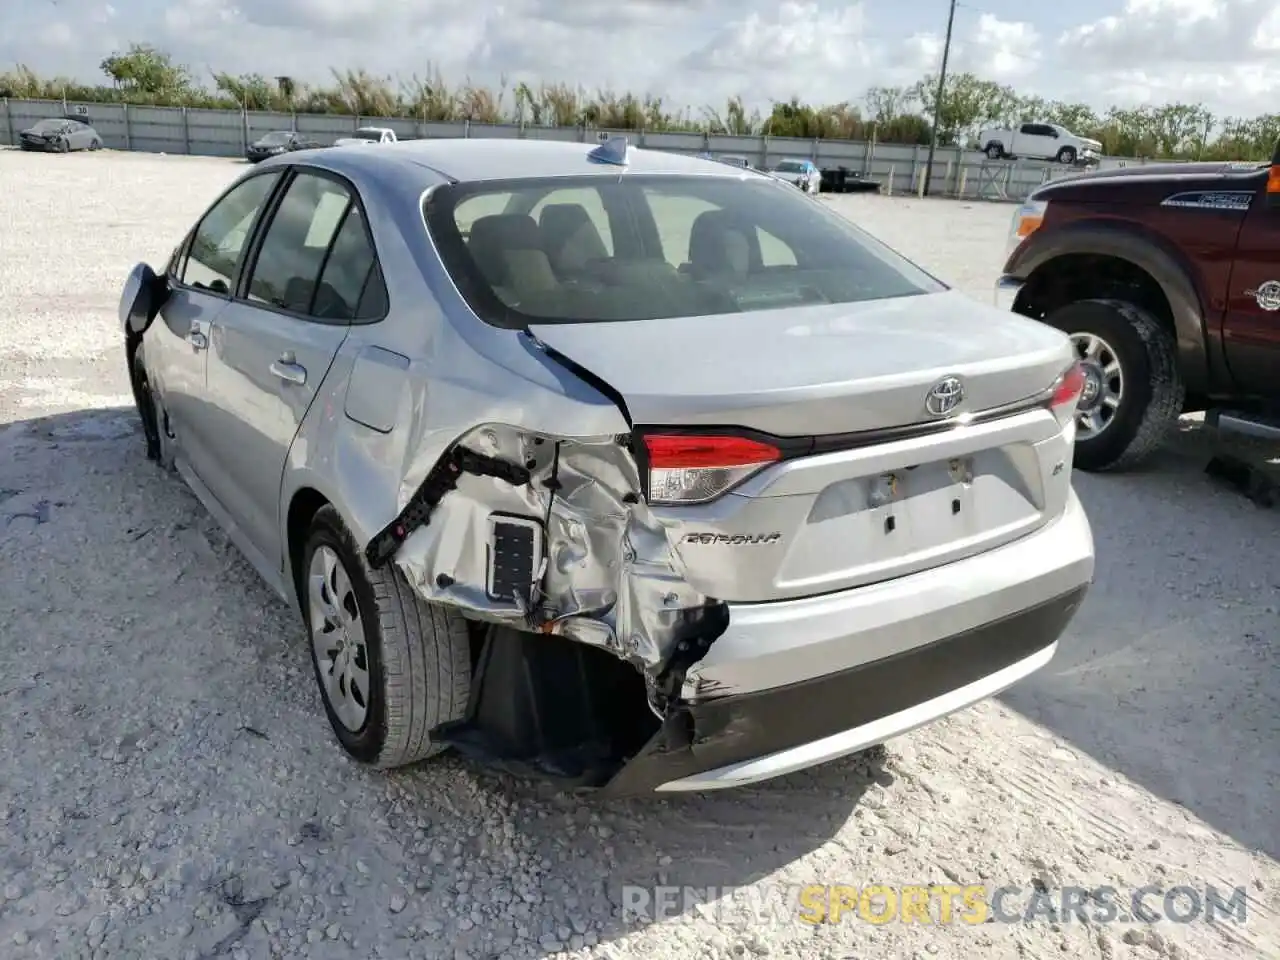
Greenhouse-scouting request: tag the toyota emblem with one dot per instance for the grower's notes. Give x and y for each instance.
(944, 396)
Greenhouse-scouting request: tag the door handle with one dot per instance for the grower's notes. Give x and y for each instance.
(198, 340)
(289, 372)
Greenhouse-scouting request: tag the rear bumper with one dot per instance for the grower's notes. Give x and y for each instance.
(771, 644)
(794, 684)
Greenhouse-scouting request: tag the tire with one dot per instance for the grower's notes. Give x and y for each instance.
(1151, 392)
(64, 146)
(994, 151)
(95, 144)
(416, 655)
(1067, 155)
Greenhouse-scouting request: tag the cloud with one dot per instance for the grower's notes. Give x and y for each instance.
(691, 52)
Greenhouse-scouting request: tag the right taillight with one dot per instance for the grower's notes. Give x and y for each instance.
(695, 469)
(1069, 387)
(1065, 393)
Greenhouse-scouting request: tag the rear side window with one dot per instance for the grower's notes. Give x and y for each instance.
(347, 273)
(649, 247)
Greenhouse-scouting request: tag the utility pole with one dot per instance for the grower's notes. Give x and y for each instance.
(937, 100)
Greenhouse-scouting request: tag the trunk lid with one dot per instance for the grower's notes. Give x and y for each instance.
(845, 513)
(822, 370)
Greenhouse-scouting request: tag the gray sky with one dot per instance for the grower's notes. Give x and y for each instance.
(694, 52)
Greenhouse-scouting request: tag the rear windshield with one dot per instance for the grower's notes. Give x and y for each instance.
(789, 166)
(616, 248)
(367, 135)
(273, 139)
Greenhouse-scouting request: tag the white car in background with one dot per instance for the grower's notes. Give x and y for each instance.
(802, 173)
(367, 135)
(1038, 141)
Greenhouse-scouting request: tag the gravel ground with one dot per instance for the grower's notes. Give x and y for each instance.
(169, 787)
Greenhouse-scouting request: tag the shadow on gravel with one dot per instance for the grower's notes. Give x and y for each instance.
(1169, 673)
(698, 857)
(77, 495)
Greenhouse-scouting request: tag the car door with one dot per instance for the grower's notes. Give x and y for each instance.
(1032, 140)
(1251, 324)
(201, 277)
(273, 344)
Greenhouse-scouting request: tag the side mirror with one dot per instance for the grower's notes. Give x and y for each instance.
(143, 295)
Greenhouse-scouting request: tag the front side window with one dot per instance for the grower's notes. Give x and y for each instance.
(293, 248)
(651, 247)
(219, 242)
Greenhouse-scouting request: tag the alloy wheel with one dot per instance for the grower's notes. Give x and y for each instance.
(1103, 385)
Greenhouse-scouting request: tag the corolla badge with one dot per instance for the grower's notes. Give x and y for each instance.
(944, 396)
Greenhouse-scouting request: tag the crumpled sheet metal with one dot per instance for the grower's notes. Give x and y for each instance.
(612, 578)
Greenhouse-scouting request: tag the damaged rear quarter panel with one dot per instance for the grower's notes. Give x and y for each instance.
(612, 578)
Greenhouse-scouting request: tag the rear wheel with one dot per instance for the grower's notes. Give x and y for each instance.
(390, 666)
(994, 151)
(1067, 155)
(1133, 388)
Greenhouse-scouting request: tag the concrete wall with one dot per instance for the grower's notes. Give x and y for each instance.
(224, 133)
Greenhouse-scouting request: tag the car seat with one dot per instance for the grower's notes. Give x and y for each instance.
(508, 252)
(570, 237)
(719, 246)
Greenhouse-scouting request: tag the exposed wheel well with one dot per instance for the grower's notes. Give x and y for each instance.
(1086, 276)
(305, 504)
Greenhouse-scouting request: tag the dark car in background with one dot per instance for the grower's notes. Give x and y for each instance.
(281, 141)
(60, 135)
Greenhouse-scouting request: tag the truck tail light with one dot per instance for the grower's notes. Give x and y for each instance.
(696, 469)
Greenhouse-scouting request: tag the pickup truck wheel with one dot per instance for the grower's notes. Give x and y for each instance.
(390, 666)
(994, 151)
(1067, 155)
(1133, 388)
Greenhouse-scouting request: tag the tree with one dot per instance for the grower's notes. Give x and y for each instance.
(903, 114)
(142, 69)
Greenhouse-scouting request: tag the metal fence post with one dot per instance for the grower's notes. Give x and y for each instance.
(186, 130)
(128, 133)
(8, 121)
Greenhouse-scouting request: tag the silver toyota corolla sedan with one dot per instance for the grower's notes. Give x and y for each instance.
(632, 470)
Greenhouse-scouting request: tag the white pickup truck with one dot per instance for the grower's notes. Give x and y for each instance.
(1039, 141)
(367, 135)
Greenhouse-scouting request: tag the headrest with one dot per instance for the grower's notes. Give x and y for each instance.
(718, 244)
(570, 236)
(494, 236)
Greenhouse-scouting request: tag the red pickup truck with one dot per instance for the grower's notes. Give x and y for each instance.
(1167, 278)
